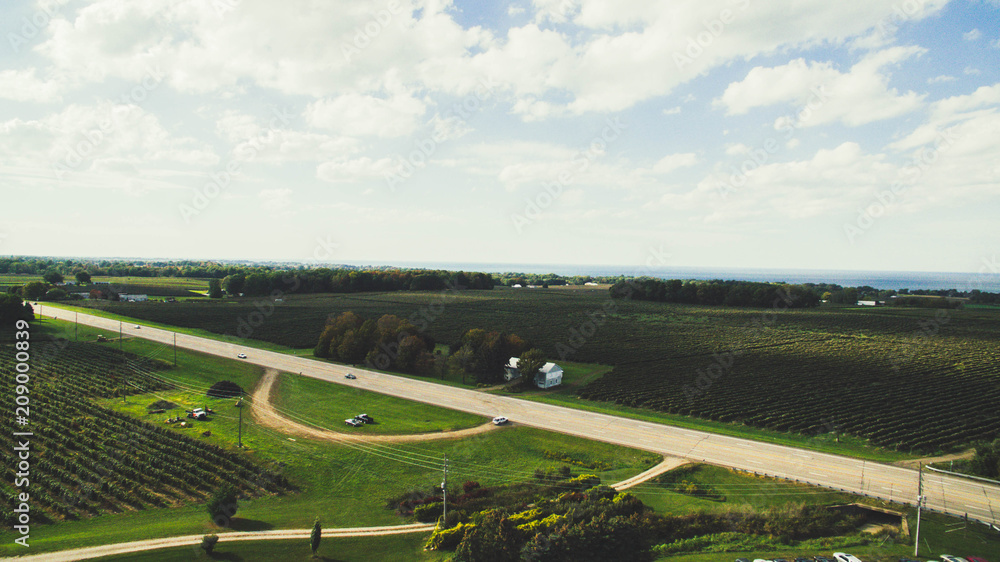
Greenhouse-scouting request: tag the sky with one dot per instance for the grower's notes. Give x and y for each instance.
(742, 133)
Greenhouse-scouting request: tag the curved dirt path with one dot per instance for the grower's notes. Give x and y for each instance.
(263, 411)
(914, 463)
(195, 540)
(668, 463)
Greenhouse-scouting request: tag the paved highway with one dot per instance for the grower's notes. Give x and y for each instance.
(949, 494)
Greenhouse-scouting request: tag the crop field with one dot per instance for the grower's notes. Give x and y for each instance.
(88, 460)
(892, 376)
(153, 286)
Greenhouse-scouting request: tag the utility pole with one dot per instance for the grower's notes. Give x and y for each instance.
(121, 349)
(175, 349)
(239, 438)
(444, 493)
(920, 500)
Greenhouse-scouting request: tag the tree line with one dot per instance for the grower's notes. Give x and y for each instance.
(716, 292)
(394, 343)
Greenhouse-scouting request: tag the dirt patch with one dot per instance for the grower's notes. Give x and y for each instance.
(915, 463)
(263, 411)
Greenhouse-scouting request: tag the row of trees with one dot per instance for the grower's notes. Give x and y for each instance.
(728, 293)
(262, 283)
(387, 343)
(394, 343)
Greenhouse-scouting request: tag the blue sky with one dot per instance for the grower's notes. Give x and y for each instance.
(855, 135)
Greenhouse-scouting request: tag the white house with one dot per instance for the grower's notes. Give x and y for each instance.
(548, 376)
(133, 298)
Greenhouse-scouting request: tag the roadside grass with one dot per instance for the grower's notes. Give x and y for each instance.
(404, 548)
(327, 405)
(259, 344)
(825, 443)
(739, 489)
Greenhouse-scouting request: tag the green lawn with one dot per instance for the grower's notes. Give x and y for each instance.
(327, 405)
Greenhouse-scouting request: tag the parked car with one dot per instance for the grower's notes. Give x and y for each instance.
(950, 558)
(137, 326)
(762, 560)
(844, 557)
(976, 559)
(198, 414)
(353, 422)
(500, 420)
(350, 376)
(742, 560)
(241, 355)
(365, 418)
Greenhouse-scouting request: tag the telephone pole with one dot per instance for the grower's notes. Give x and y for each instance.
(920, 501)
(444, 493)
(175, 349)
(239, 438)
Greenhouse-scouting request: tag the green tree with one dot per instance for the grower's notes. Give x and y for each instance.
(222, 505)
(214, 289)
(233, 284)
(52, 276)
(56, 295)
(529, 363)
(34, 290)
(494, 539)
(12, 309)
(315, 536)
(208, 543)
(82, 277)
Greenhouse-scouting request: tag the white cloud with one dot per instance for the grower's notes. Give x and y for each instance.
(92, 137)
(673, 162)
(672, 111)
(941, 78)
(972, 35)
(364, 115)
(860, 96)
(971, 71)
(275, 199)
(355, 170)
(23, 85)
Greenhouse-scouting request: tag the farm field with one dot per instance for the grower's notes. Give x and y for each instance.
(152, 286)
(346, 485)
(91, 460)
(817, 372)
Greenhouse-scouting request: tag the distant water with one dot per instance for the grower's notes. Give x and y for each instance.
(912, 280)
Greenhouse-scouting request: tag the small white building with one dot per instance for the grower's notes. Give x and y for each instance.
(868, 303)
(133, 297)
(548, 376)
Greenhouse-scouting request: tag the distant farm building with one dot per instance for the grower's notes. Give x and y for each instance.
(133, 297)
(548, 376)
(869, 303)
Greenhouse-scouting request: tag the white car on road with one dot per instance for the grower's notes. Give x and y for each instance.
(241, 355)
(500, 420)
